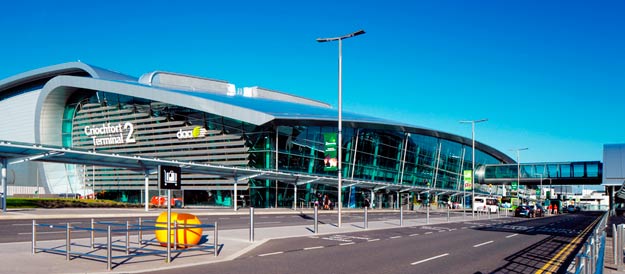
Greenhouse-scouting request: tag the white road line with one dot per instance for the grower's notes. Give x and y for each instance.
(350, 243)
(314, 247)
(510, 236)
(373, 240)
(25, 225)
(484, 243)
(464, 227)
(412, 235)
(269, 254)
(395, 237)
(429, 232)
(429, 259)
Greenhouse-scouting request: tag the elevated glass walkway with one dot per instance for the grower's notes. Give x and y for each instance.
(560, 173)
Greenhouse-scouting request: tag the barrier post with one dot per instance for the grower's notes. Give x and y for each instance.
(34, 237)
(127, 237)
(109, 248)
(216, 231)
(427, 214)
(316, 227)
(366, 225)
(91, 241)
(448, 214)
(175, 234)
(251, 224)
(619, 248)
(68, 242)
(401, 215)
(140, 231)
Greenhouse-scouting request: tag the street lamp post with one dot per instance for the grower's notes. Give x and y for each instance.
(540, 197)
(340, 109)
(518, 170)
(473, 122)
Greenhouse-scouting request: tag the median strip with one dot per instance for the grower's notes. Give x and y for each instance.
(429, 259)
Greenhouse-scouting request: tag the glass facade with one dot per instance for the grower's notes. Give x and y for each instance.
(371, 152)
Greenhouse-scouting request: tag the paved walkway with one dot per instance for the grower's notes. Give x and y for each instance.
(17, 258)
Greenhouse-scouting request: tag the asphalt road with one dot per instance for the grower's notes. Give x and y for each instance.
(507, 245)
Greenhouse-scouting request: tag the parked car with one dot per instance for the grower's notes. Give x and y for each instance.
(572, 209)
(529, 211)
(162, 201)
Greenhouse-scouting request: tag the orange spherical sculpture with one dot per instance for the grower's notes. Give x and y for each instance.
(186, 235)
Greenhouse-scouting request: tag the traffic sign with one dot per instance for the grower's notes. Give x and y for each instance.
(514, 186)
(169, 177)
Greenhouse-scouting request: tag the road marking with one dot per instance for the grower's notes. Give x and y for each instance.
(373, 240)
(395, 237)
(350, 243)
(412, 235)
(22, 224)
(484, 243)
(429, 259)
(464, 227)
(510, 236)
(269, 254)
(314, 247)
(551, 264)
(429, 232)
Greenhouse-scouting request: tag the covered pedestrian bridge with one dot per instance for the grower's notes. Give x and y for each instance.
(555, 173)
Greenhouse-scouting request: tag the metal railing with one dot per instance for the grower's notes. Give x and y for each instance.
(590, 258)
(142, 247)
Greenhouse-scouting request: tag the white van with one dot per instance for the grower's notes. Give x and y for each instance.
(485, 204)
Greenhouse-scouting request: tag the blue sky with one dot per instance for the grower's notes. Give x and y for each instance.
(549, 75)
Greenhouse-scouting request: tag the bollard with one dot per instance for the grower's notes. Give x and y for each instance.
(582, 264)
(127, 237)
(366, 224)
(92, 242)
(448, 214)
(34, 238)
(109, 248)
(168, 260)
(216, 231)
(251, 224)
(401, 216)
(316, 227)
(68, 242)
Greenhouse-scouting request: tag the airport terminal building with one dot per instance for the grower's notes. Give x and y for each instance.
(193, 119)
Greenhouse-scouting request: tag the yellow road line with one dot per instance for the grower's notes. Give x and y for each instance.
(568, 248)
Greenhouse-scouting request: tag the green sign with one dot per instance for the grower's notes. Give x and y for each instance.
(537, 192)
(330, 162)
(515, 186)
(468, 180)
(548, 194)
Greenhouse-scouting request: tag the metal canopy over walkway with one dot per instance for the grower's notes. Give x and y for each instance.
(555, 173)
(17, 152)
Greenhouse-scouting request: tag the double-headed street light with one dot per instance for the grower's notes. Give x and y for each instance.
(473, 122)
(340, 126)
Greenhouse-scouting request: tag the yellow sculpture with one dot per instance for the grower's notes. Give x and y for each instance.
(190, 235)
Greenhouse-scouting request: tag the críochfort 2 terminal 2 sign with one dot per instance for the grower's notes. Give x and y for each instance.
(111, 134)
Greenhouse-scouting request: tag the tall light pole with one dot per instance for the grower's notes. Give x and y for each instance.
(473, 122)
(340, 122)
(518, 170)
(540, 197)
